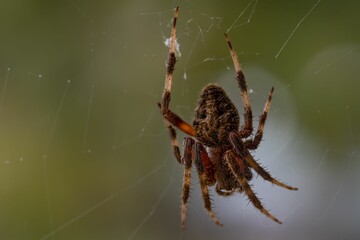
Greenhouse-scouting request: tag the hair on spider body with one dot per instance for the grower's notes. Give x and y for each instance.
(216, 143)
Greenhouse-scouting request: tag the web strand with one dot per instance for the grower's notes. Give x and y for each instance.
(295, 29)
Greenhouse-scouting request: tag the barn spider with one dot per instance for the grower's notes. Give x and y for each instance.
(217, 146)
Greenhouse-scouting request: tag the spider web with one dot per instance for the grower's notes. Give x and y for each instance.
(84, 153)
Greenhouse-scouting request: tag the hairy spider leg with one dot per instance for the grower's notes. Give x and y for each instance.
(247, 128)
(171, 117)
(174, 141)
(187, 159)
(191, 150)
(254, 143)
(204, 187)
(172, 59)
(240, 149)
(236, 170)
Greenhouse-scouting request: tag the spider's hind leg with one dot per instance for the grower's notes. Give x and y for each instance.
(236, 170)
(187, 160)
(203, 182)
(240, 149)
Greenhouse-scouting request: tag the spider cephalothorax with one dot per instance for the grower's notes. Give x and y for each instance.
(218, 146)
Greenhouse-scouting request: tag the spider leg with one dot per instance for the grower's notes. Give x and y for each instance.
(247, 129)
(187, 159)
(254, 143)
(171, 117)
(236, 170)
(240, 149)
(204, 187)
(172, 60)
(174, 141)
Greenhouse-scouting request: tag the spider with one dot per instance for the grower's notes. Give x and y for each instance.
(218, 147)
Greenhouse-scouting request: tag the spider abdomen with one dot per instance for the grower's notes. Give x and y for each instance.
(215, 117)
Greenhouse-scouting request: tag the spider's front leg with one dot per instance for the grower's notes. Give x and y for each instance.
(168, 115)
(170, 118)
(254, 143)
(247, 129)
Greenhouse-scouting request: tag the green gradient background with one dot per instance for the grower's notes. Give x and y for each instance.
(90, 159)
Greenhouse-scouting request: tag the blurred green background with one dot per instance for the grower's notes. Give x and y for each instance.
(83, 150)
